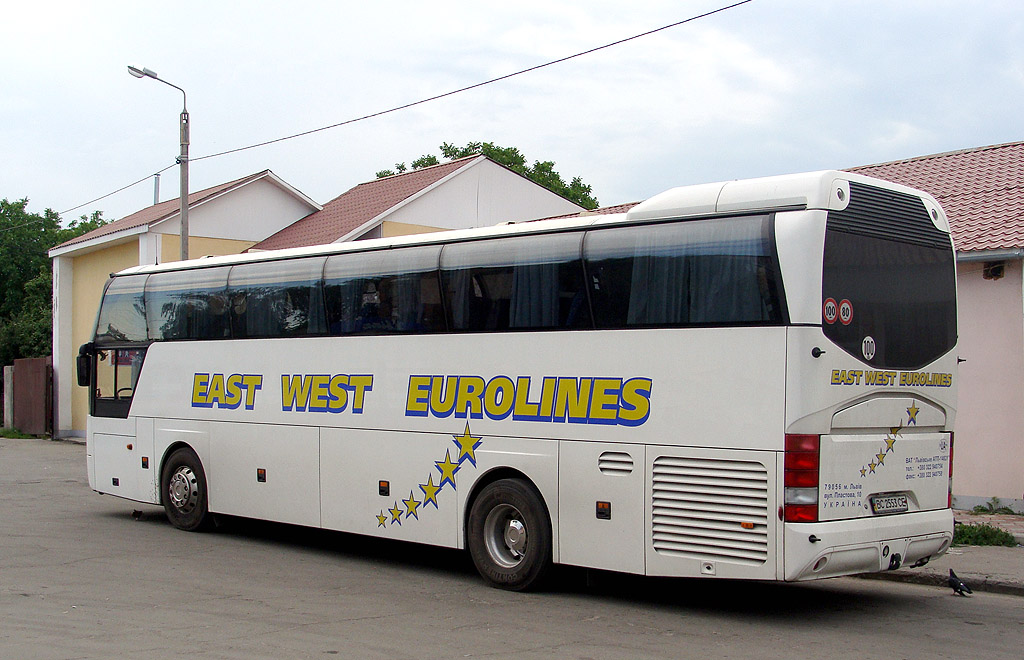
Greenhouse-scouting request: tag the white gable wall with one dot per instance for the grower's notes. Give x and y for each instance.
(480, 195)
(250, 213)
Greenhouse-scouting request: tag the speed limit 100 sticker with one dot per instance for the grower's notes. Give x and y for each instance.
(845, 312)
(830, 310)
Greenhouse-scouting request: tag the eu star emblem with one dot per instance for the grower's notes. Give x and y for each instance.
(467, 445)
(447, 469)
(912, 413)
(396, 514)
(411, 505)
(430, 491)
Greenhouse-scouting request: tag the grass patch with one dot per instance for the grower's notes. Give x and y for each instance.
(15, 434)
(993, 506)
(981, 534)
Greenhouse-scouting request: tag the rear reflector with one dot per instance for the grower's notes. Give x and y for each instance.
(801, 464)
(801, 513)
(949, 497)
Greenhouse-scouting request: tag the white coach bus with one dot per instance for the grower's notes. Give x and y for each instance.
(751, 379)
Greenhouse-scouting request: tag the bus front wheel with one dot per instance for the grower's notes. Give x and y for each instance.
(509, 535)
(183, 489)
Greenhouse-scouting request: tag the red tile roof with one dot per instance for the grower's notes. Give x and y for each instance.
(358, 206)
(604, 210)
(981, 190)
(158, 212)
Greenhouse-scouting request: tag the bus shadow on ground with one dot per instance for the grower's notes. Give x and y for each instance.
(811, 602)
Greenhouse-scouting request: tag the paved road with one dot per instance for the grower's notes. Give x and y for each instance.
(81, 578)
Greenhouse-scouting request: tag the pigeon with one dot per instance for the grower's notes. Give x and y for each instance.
(958, 585)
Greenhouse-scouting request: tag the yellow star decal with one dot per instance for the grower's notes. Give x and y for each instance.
(912, 412)
(467, 445)
(430, 491)
(895, 430)
(381, 519)
(871, 466)
(863, 471)
(881, 458)
(890, 440)
(411, 505)
(448, 470)
(396, 514)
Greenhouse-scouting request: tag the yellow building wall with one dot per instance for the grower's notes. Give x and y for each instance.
(389, 229)
(89, 273)
(198, 246)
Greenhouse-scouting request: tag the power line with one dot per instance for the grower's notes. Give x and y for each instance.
(145, 178)
(476, 85)
(24, 224)
(432, 98)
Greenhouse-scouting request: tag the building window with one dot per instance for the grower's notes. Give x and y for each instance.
(994, 270)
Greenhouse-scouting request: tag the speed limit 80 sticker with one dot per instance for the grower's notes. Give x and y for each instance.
(845, 312)
(832, 311)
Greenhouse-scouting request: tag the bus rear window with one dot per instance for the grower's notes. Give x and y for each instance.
(888, 282)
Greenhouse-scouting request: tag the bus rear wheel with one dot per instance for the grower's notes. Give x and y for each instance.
(509, 535)
(183, 490)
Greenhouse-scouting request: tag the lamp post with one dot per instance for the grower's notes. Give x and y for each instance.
(182, 159)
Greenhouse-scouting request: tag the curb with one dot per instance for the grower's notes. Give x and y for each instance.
(977, 582)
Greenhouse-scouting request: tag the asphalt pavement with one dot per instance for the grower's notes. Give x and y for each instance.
(983, 568)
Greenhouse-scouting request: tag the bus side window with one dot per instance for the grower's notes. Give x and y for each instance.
(122, 315)
(188, 305)
(276, 299)
(117, 374)
(522, 283)
(384, 292)
(700, 272)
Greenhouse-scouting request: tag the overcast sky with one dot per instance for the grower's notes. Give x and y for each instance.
(769, 87)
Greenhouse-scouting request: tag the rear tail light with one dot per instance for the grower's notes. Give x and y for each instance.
(949, 501)
(802, 459)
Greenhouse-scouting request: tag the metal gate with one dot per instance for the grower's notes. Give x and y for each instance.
(33, 395)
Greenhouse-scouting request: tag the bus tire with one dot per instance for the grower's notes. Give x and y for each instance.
(183, 490)
(509, 535)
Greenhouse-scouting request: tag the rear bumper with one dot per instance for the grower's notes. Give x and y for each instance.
(866, 545)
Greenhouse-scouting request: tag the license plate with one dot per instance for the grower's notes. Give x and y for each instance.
(889, 504)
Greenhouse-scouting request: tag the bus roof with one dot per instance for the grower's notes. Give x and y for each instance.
(824, 190)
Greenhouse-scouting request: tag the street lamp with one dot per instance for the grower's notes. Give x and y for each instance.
(182, 159)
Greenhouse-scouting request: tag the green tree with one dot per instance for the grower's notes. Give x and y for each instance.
(541, 172)
(26, 304)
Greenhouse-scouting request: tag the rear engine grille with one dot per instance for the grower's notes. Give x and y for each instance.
(710, 509)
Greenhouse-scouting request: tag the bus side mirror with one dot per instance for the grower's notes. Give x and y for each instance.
(83, 365)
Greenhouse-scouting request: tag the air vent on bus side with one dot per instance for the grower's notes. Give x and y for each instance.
(615, 463)
(710, 509)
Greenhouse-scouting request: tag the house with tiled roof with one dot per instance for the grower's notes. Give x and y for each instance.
(460, 194)
(982, 193)
(224, 219)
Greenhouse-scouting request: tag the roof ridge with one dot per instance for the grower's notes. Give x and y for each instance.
(419, 169)
(944, 154)
(161, 210)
